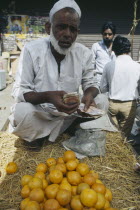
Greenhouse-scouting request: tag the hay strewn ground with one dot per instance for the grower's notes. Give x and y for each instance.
(115, 169)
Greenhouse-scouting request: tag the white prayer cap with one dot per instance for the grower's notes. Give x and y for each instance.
(61, 4)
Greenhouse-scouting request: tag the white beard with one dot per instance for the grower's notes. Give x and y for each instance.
(60, 50)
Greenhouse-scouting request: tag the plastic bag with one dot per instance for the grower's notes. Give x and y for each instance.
(102, 123)
(87, 142)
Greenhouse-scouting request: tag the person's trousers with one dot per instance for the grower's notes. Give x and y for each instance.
(123, 114)
(31, 122)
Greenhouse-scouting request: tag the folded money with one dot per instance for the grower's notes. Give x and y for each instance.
(92, 111)
(71, 98)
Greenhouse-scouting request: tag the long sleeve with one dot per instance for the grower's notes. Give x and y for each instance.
(93, 49)
(24, 77)
(88, 78)
(104, 85)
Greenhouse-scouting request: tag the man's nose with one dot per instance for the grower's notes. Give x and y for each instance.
(107, 35)
(67, 32)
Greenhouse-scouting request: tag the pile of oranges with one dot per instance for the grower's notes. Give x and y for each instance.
(64, 184)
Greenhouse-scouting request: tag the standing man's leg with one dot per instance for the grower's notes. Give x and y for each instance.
(128, 113)
(113, 111)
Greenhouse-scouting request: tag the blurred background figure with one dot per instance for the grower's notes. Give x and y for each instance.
(102, 50)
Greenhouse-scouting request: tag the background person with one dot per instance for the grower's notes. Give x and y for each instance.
(102, 50)
(121, 78)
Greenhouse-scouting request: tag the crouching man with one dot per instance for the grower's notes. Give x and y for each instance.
(48, 69)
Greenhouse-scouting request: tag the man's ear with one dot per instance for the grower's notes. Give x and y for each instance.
(48, 27)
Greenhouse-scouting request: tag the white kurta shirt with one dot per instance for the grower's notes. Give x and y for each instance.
(38, 70)
(101, 56)
(122, 79)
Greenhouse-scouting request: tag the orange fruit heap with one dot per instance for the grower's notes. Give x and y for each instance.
(62, 184)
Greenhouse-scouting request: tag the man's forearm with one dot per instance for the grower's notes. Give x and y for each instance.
(92, 91)
(37, 97)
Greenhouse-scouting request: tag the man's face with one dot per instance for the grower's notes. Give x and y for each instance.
(65, 28)
(108, 37)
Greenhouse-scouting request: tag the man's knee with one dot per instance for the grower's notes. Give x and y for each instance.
(22, 110)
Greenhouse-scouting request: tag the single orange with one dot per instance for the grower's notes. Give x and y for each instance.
(42, 167)
(51, 162)
(51, 190)
(81, 187)
(24, 203)
(89, 179)
(25, 179)
(32, 205)
(88, 197)
(61, 167)
(65, 185)
(63, 197)
(82, 168)
(74, 178)
(100, 201)
(11, 168)
(71, 165)
(37, 194)
(35, 182)
(56, 176)
(100, 188)
(40, 175)
(25, 191)
(108, 195)
(51, 204)
(76, 203)
(95, 174)
(60, 160)
(69, 155)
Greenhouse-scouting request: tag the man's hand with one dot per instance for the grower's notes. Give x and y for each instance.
(56, 98)
(88, 98)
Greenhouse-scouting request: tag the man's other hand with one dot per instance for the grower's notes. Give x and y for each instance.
(88, 97)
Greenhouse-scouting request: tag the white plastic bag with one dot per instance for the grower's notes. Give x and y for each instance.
(87, 142)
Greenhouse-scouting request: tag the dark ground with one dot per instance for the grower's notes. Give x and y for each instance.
(136, 143)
